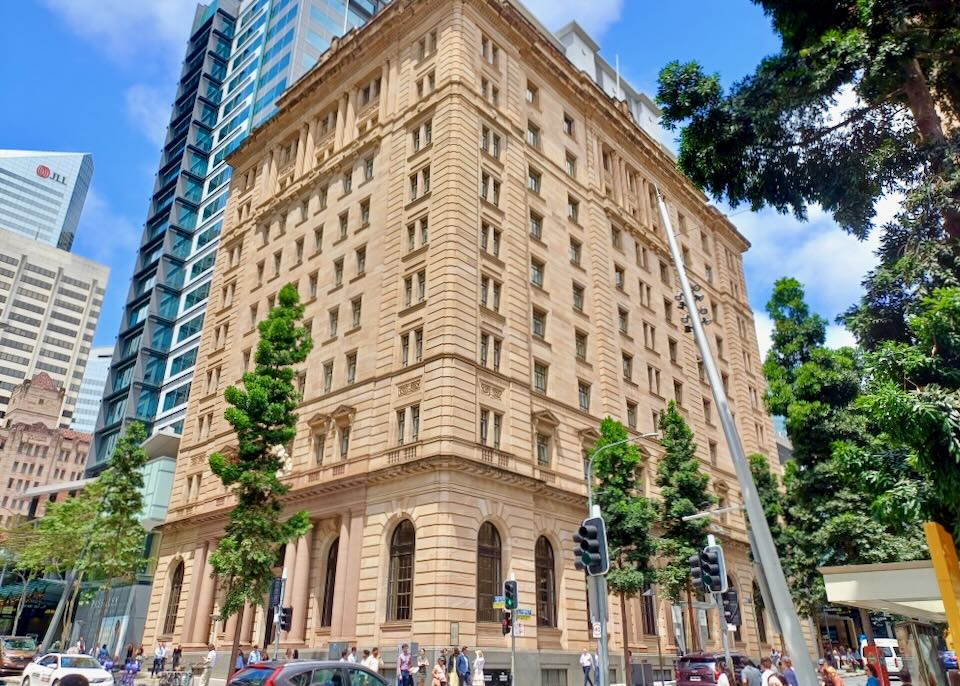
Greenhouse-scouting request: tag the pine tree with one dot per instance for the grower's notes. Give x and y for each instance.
(263, 416)
(628, 516)
(683, 492)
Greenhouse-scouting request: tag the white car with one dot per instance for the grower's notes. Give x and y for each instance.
(49, 669)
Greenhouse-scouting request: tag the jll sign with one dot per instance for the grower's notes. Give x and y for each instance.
(43, 171)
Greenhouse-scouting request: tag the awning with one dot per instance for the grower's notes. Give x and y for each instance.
(902, 588)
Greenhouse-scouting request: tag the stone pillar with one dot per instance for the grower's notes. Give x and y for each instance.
(350, 581)
(272, 176)
(205, 601)
(384, 84)
(230, 630)
(337, 623)
(193, 593)
(246, 627)
(301, 147)
(309, 149)
(338, 139)
(299, 598)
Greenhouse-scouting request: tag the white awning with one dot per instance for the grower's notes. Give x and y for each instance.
(903, 588)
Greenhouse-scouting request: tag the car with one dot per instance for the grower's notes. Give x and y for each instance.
(306, 673)
(698, 669)
(16, 653)
(948, 658)
(889, 649)
(49, 669)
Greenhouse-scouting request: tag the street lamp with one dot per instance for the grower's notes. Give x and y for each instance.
(599, 450)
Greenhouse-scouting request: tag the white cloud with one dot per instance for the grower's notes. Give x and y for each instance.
(839, 337)
(104, 235)
(595, 17)
(148, 108)
(130, 29)
(764, 326)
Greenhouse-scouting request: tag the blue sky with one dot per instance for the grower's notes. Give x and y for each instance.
(99, 75)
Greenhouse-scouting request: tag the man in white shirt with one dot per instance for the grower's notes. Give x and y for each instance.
(254, 655)
(372, 660)
(586, 663)
(767, 666)
(208, 662)
(352, 657)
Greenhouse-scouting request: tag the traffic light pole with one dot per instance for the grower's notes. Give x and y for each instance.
(725, 633)
(276, 615)
(767, 551)
(600, 592)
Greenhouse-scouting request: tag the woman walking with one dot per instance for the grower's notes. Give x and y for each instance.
(453, 679)
(439, 673)
(423, 666)
(478, 663)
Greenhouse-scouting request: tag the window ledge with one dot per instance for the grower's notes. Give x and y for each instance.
(352, 331)
(334, 289)
(420, 198)
(417, 153)
(413, 254)
(357, 277)
(412, 308)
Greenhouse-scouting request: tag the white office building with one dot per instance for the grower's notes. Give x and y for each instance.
(91, 389)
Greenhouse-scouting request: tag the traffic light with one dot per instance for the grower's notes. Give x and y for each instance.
(286, 618)
(713, 569)
(731, 606)
(510, 594)
(591, 550)
(506, 623)
(696, 571)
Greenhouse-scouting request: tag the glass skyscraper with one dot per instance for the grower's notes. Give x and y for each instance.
(42, 194)
(241, 57)
(91, 389)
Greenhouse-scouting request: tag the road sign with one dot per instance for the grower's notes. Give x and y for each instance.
(498, 602)
(596, 630)
(523, 612)
(524, 618)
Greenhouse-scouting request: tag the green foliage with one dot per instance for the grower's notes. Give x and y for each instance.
(768, 487)
(627, 514)
(683, 491)
(263, 415)
(913, 391)
(117, 540)
(774, 138)
(831, 514)
(57, 541)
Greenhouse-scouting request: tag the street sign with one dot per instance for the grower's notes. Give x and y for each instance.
(517, 629)
(524, 616)
(596, 630)
(523, 612)
(498, 602)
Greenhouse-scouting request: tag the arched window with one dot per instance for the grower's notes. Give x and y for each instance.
(173, 600)
(758, 611)
(330, 584)
(400, 581)
(489, 579)
(546, 583)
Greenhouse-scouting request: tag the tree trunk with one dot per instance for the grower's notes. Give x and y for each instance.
(235, 649)
(71, 605)
(694, 626)
(930, 129)
(23, 599)
(625, 637)
(57, 614)
(103, 612)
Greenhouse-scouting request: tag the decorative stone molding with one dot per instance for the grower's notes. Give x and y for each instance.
(491, 391)
(408, 388)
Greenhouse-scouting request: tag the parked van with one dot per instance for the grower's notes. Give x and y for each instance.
(890, 650)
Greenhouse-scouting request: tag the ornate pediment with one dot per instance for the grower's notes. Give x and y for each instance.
(544, 419)
(341, 417)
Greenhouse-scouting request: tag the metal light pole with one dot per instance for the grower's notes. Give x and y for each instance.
(599, 583)
(768, 559)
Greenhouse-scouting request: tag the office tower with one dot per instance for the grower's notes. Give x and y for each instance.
(471, 223)
(240, 59)
(34, 449)
(50, 302)
(91, 389)
(42, 193)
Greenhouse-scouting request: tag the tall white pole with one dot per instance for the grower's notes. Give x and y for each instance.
(768, 560)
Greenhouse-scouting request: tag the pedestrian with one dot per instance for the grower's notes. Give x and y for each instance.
(586, 664)
(836, 658)
(103, 654)
(439, 676)
(177, 656)
(288, 654)
(872, 679)
(750, 675)
(296, 653)
(352, 657)
(159, 657)
(454, 678)
(720, 677)
(129, 655)
(254, 655)
(208, 662)
(365, 661)
(405, 666)
(478, 662)
(82, 646)
(423, 666)
(767, 666)
(344, 655)
(829, 674)
(463, 667)
(789, 675)
(239, 663)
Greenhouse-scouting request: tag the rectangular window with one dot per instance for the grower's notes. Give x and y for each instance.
(664, 273)
(421, 286)
(414, 422)
(490, 239)
(632, 415)
(532, 94)
(357, 307)
(318, 239)
(674, 351)
(334, 318)
(570, 164)
(344, 225)
(351, 368)
(401, 426)
(298, 250)
(616, 237)
(668, 310)
(712, 447)
(338, 272)
(540, 377)
(361, 254)
(578, 291)
(678, 392)
(649, 336)
(707, 411)
(576, 251)
(368, 169)
(344, 442)
(573, 209)
(583, 395)
(627, 367)
(536, 225)
(534, 180)
(623, 320)
(653, 379)
(327, 377)
(347, 181)
(539, 323)
(312, 285)
(533, 135)
(580, 345)
(484, 426)
(536, 273)
(619, 277)
(568, 125)
(365, 213)
(543, 450)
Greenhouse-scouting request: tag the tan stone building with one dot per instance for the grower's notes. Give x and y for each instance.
(34, 451)
(470, 222)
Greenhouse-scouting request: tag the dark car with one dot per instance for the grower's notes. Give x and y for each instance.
(698, 669)
(306, 673)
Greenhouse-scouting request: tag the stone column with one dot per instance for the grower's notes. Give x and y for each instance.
(309, 150)
(246, 628)
(299, 599)
(205, 600)
(230, 630)
(337, 623)
(338, 139)
(301, 147)
(384, 83)
(272, 175)
(352, 555)
(193, 593)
